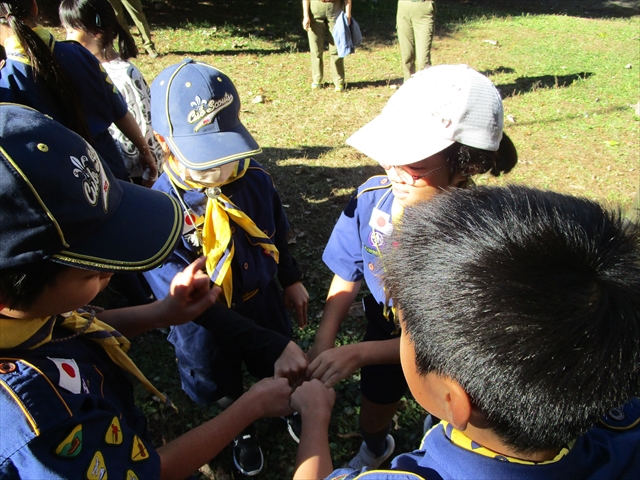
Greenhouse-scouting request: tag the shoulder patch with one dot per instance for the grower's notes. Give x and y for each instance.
(374, 183)
(138, 450)
(113, 435)
(71, 446)
(97, 470)
(623, 418)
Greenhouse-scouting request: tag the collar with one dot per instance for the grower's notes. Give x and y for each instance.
(15, 51)
(461, 440)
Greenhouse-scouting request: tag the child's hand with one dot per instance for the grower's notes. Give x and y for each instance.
(296, 297)
(190, 293)
(292, 364)
(313, 397)
(335, 364)
(271, 397)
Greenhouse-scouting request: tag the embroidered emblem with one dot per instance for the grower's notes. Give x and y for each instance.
(97, 469)
(94, 180)
(206, 110)
(138, 450)
(131, 475)
(381, 221)
(376, 239)
(69, 374)
(113, 435)
(71, 446)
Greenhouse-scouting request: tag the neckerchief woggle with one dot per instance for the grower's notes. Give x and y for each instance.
(217, 241)
(32, 333)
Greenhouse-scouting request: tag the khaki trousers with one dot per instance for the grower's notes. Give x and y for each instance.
(323, 18)
(415, 34)
(134, 7)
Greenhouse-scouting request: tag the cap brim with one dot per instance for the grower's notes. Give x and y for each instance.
(390, 142)
(133, 239)
(204, 151)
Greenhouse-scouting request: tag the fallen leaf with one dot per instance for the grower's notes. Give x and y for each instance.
(492, 42)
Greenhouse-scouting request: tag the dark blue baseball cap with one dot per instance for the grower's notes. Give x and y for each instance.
(196, 108)
(58, 201)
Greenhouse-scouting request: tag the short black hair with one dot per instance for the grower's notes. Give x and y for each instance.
(21, 286)
(529, 299)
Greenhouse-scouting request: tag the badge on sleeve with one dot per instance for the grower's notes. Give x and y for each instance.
(138, 450)
(381, 221)
(113, 435)
(71, 446)
(97, 470)
(69, 374)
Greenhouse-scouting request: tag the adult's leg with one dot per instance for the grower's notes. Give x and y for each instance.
(316, 34)
(337, 63)
(117, 6)
(134, 7)
(405, 38)
(423, 19)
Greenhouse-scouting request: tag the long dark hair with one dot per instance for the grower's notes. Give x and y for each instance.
(46, 69)
(98, 18)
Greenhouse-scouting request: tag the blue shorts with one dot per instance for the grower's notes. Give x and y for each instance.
(384, 383)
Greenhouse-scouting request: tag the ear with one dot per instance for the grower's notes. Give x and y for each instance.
(457, 404)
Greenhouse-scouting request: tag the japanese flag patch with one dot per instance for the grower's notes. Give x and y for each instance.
(69, 374)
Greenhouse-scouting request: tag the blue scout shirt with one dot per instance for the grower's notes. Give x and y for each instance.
(99, 98)
(609, 450)
(352, 252)
(67, 411)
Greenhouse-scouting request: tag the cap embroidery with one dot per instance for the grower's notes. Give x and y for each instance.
(94, 180)
(206, 110)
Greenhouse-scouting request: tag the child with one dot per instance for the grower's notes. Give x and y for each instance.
(520, 315)
(441, 127)
(63, 80)
(67, 408)
(234, 217)
(93, 24)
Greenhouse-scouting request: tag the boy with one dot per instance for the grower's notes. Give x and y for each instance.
(442, 127)
(67, 410)
(520, 314)
(234, 217)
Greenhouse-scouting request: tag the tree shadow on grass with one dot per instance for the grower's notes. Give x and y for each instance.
(375, 83)
(227, 53)
(531, 84)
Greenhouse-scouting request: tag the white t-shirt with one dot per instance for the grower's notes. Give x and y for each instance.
(133, 87)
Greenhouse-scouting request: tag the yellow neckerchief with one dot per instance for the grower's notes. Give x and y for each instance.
(217, 241)
(32, 333)
(15, 51)
(461, 440)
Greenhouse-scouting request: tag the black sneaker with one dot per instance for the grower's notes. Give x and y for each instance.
(294, 425)
(247, 455)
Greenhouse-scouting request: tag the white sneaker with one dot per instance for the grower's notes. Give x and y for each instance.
(366, 458)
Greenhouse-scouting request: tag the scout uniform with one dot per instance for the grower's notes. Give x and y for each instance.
(608, 450)
(353, 253)
(99, 98)
(210, 363)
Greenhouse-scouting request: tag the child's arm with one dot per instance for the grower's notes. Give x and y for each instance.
(130, 128)
(190, 294)
(336, 364)
(296, 298)
(341, 296)
(184, 455)
(314, 403)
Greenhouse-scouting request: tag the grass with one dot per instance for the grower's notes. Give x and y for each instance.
(570, 81)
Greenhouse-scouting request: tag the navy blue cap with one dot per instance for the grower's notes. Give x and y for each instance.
(58, 201)
(196, 108)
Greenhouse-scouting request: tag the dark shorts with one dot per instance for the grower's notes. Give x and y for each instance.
(385, 383)
(210, 367)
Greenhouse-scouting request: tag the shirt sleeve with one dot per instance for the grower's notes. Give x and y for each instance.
(343, 253)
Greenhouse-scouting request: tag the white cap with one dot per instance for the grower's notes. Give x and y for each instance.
(432, 110)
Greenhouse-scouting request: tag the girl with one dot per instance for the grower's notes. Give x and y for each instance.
(94, 25)
(443, 126)
(65, 82)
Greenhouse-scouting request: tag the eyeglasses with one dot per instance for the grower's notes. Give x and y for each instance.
(408, 178)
